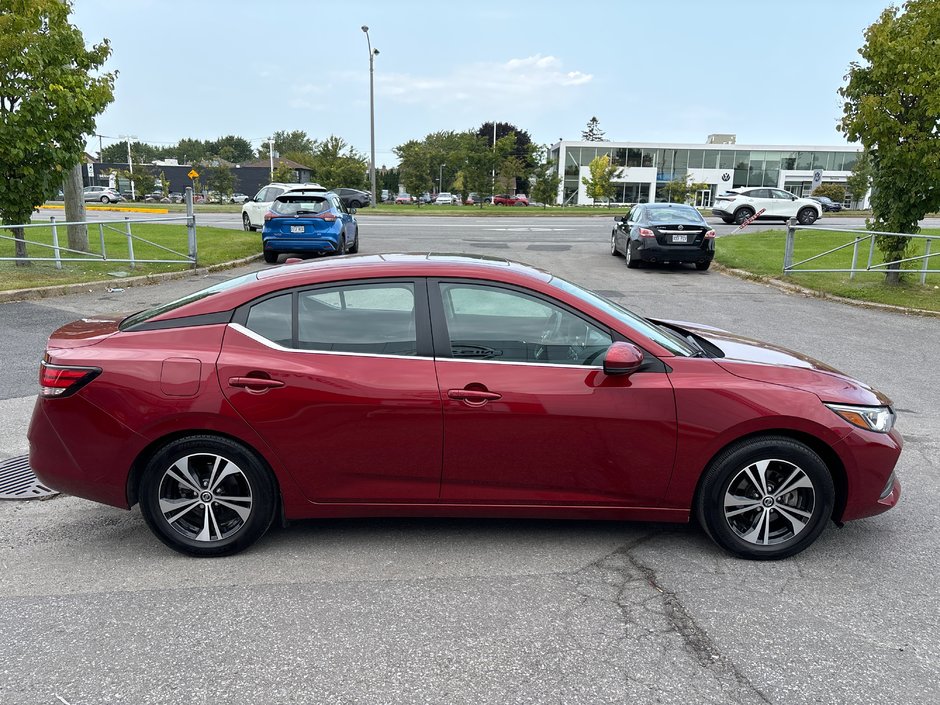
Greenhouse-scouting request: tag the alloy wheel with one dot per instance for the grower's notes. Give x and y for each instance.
(205, 497)
(769, 502)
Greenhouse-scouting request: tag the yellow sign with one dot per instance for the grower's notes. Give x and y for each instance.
(192, 174)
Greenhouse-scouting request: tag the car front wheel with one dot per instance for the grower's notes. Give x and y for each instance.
(765, 498)
(742, 214)
(806, 216)
(355, 204)
(246, 223)
(105, 199)
(207, 496)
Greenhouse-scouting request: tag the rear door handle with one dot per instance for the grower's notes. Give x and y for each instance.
(473, 395)
(256, 382)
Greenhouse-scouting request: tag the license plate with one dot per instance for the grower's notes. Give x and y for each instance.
(680, 238)
(296, 228)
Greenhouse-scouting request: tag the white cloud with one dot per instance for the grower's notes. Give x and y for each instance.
(526, 82)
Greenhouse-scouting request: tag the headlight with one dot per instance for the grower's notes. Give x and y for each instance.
(871, 418)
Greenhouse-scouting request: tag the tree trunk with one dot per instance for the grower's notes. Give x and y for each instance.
(20, 244)
(73, 188)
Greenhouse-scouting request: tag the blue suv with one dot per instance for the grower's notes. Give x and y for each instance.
(309, 222)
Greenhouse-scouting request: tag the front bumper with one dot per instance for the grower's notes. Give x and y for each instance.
(872, 486)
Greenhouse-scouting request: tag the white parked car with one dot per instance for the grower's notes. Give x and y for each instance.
(739, 204)
(446, 199)
(253, 210)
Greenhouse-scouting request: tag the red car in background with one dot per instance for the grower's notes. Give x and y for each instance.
(507, 200)
(448, 385)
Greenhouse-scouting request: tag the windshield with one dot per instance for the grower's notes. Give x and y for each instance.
(663, 336)
(142, 316)
(674, 215)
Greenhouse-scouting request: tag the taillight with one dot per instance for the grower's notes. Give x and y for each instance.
(63, 380)
(268, 216)
(645, 232)
(710, 233)
(328, 217)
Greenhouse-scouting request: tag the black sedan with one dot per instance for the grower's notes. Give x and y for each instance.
(663, 232)
(353, 197)
(828, 205)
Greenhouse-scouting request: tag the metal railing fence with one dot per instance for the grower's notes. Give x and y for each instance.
(189, 257)
(862, 236)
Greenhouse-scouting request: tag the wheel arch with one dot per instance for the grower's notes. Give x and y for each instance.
(139, 464)
(825, 451)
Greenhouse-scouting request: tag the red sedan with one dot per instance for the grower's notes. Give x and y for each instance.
(447, 385)
(507, 200)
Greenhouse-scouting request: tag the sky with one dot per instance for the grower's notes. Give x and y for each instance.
(650, 71)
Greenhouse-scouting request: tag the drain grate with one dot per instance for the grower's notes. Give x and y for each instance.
(17, 480)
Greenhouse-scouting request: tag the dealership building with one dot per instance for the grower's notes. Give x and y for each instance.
(645, 168)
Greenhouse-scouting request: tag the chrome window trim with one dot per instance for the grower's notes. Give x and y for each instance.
(274, 346)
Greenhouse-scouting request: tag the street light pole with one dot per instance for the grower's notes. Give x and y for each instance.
(271, 155)
(130, 163)
(372, 54)
(440, 178)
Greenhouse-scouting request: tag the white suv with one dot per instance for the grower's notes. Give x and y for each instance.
(253, 209)
(739, 204)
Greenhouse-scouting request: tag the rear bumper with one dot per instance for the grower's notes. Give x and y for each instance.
(326, 244)
(654, 252)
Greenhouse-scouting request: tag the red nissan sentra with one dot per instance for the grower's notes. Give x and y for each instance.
(450, 385)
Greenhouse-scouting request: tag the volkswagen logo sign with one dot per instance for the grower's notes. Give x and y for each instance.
(726, 176)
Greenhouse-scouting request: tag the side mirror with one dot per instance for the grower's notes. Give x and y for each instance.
(792, 198)
(622, 359)
(352, 211)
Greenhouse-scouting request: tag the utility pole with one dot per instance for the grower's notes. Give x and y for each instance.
(372, 54)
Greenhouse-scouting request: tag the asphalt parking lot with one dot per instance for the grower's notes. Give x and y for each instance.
(484, 611)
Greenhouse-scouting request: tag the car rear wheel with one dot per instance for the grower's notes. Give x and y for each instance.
(105, 199)
(806, 216)
(207, 496)
(342, 245)
(354, 248)
(269, 256)
(766, 498)
(520, 203)
(702, 266)
(613, 244)
(742, 214)
(355, 204)
(632, 261)
(246, 223)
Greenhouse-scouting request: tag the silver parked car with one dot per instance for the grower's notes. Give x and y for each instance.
(103, 194)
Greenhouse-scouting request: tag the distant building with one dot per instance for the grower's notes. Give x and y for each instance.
(646, 167)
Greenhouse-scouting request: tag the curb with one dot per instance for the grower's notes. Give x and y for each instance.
(45, 292)
(798, 290)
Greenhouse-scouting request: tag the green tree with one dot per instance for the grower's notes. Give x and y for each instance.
(834, 191)
(891, 104)
(480, 161)
(600, 185)
(336, 164)
(682, 189)
(283, 173)
(859, 181)
(232, 148)
(545, 181)
(51, 90)
(285, 142)
(164, 184)
(593, 131)
(141, 152)
(414, 163)
(220, 178)
(523, 149)
(144, 182)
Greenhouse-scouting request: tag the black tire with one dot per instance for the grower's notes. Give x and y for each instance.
(105, 199)
(726, 220)
(269, 256)
(742, 214)
(703, 266)
(246, 224)
(241, 496)
(806, 216)
(342, 246)
(739, 498)
(354, 248)
(613, 244)
(633, 261)
(354, 204)
(520, 203)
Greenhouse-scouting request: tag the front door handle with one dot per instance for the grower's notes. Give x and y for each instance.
(254, 382)
(473, 396)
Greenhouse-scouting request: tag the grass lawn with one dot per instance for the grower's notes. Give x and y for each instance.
(214, 245)
(761, 253)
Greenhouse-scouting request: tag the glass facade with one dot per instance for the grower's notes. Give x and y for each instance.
(746, 167)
